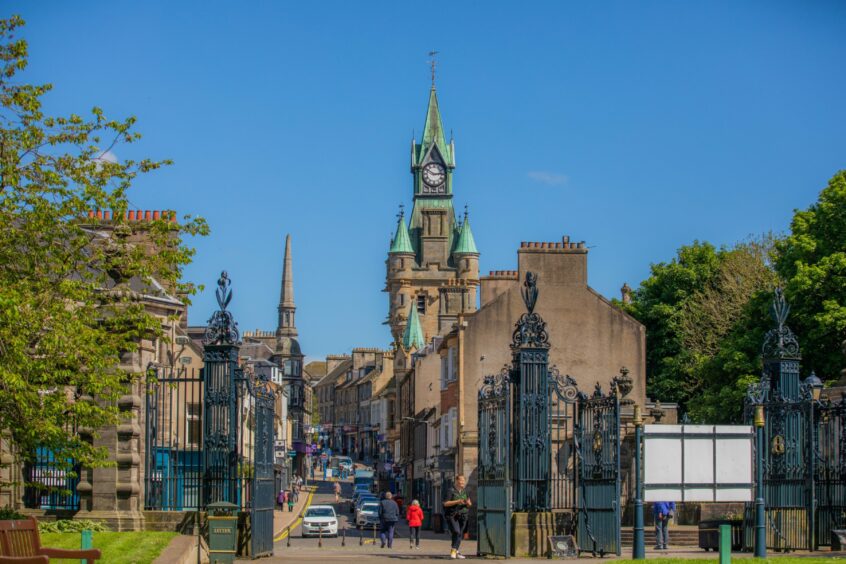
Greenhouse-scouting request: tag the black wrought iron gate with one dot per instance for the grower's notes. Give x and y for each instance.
(210, 435)
(545, 447)
(262, 484)
(493, 509)
(598, 491)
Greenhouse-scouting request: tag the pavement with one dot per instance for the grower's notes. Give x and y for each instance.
(356, 545)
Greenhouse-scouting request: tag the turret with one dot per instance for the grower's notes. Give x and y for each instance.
(465, 254)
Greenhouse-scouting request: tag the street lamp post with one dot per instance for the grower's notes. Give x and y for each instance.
(638, 545)
(760, 517)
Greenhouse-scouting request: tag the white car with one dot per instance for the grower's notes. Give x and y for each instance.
(367, 515)
(320, 519)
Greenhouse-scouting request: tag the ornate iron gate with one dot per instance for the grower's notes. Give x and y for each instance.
(262, 496)
(535, 454)
(598, 491)
(210, 436)
(788, 486)
(830, 469)
(493, 508)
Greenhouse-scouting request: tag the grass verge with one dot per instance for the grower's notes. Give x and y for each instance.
(141, 547)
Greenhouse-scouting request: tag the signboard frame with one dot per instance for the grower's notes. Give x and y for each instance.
(698, 463)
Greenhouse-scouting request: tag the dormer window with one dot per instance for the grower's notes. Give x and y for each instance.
(421, 303)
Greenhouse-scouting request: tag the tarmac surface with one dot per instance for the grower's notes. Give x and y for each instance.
(364, 546)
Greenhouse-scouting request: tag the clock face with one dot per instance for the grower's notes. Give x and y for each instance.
(434, 174)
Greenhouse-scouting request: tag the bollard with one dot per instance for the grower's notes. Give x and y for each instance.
(374, 536)
(86, 542)
(344, 536)
(725, 544)
(361, 537)
(288, 537)
(320, 537)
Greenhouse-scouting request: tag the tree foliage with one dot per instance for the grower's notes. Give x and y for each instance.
(812, 261)
(698, 310)
(67, 312)
(707, 310)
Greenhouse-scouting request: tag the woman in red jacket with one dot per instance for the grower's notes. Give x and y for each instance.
(414, 516)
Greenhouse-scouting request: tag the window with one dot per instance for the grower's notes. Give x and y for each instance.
(451, 362)
(402, 299)
(193, 424)
(421, 303)
(444, 372)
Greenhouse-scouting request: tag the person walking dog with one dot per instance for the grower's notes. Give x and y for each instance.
(389, 514)
(663, 512)
(414, 516)
(456, 508)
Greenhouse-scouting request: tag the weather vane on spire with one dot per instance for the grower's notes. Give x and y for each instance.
(434, 63)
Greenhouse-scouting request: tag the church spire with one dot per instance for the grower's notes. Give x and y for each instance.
(286, 326)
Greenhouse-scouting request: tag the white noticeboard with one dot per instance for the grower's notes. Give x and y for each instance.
(698, 463)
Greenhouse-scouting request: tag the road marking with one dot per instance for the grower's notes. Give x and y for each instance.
(297, 521)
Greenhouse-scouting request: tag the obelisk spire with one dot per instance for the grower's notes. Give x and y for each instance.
(287, 327)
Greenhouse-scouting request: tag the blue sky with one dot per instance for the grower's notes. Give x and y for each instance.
(634, 126)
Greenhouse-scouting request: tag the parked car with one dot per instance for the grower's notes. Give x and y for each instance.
(357, 499)
(319, 519)
(367, 515)
(365, 499)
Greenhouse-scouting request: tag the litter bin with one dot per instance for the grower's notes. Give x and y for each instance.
(223, 532)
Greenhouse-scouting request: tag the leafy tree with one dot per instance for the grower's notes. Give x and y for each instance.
(659, 303)
(68, 311)
(812, 261)
(704, 325)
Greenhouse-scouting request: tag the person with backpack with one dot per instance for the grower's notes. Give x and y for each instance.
(414, 516)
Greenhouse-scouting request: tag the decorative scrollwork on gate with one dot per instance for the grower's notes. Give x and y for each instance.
(222, 327)
(780, 342)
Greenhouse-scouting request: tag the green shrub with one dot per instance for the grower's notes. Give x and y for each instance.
(72, 526)
(9, 514)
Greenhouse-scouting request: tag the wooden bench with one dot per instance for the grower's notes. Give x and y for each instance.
(21, 544)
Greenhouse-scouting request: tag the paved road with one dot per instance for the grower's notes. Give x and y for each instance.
(359, 545)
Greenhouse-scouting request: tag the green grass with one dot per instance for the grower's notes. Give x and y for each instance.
(787, 559)
(119, 548)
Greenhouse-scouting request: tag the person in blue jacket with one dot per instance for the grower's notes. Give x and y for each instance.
(663, 512)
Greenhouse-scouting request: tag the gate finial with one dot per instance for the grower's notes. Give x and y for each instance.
(530, 291)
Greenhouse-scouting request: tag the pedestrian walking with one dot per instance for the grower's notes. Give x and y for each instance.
(295, 490)
(337, 492)
(663, 512)
(456, 508)
(414, 516)
(290, 502)
(389, 514)
(280, 500)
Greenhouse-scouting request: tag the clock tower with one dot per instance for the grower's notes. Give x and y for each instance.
(433, 264)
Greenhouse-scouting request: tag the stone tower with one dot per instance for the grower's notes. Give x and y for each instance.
(288, 356)
(433, 263)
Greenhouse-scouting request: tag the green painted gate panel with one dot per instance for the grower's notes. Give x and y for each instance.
(598, 491)
(493, 502)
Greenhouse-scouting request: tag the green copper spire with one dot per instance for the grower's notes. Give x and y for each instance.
(433, 133)
(413, 335)
(401, 242)
(466, 244)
